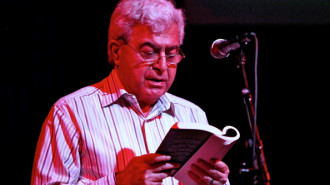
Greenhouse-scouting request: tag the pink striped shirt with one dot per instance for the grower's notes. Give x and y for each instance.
(93, 133)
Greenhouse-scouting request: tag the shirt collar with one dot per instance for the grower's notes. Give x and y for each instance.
(114, 90)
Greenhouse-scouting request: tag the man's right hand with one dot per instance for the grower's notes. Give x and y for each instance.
(148, 169)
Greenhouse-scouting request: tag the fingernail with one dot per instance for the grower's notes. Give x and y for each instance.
(167, 157)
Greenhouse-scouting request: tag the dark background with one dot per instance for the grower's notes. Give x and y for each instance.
(51, 48)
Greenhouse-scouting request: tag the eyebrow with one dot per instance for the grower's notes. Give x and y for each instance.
(157, 47)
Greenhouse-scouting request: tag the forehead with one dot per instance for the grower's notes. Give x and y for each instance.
(142, 33)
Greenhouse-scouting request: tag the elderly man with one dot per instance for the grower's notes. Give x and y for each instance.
(107, 133)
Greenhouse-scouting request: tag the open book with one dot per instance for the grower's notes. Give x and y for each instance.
(188, 142)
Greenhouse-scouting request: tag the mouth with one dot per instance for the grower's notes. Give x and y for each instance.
(156, 82)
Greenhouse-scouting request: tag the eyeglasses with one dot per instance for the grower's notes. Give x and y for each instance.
(151, 57)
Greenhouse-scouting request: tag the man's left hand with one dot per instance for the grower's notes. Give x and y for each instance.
(210, 172)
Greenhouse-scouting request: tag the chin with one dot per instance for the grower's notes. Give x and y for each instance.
(153, 94)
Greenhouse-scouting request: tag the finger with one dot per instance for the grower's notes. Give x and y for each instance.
(215, 174)
(210, 170)
(165, 166)
(209, 180)
(154, 158)
(194, 176)
(204, 180)
(155, 177)
(222, 167)
(217, 170)
(161, 158)
(204, 165)
(200, 172)
(223, 171)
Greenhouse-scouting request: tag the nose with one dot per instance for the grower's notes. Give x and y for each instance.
(161, 64)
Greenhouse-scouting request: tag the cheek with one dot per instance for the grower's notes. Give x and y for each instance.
(171, 77)
(131, 76)
(135, 76)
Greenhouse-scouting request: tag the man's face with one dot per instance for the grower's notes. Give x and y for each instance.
(147, 81)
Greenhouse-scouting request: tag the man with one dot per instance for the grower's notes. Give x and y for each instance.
(107, 133)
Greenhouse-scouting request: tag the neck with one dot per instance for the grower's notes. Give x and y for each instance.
(146, 104)
(146, 108)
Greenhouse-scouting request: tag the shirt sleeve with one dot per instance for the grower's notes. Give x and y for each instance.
(58, 152)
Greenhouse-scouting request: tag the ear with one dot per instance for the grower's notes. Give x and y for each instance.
(113, 51)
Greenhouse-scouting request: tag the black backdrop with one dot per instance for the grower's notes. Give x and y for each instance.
(49, 49)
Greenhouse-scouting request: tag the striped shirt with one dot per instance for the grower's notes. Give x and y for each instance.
(93, 133)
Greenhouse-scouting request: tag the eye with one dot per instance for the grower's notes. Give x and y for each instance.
(173, 51)
(171, 56)
(146, 49)
(148, 52)
(148, 55)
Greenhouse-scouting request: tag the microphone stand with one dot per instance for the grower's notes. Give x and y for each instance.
(258, 157)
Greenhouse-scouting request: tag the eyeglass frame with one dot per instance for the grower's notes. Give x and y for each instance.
(158, 53)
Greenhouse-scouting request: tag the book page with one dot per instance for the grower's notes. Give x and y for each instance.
(181, 144)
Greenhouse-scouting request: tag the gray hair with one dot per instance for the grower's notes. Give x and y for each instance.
(158, 14)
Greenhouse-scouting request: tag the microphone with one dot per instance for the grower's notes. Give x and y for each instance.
(221, 48)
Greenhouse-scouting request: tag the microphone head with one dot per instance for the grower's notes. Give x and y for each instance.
(215, 51)
(221, 48)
